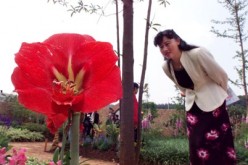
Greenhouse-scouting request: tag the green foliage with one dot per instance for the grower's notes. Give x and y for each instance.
(152, 134)
(4, 140)
(35, 161)
(112, 132)
(56, 155)
(66, 158)
(19, 114)
(158, 149)
(242, 153)
(164, 2)
(177, 122)
(235, 29)
(87, 141)
(102, 143)
(23, 135)
(80, 7)
(236, 113)
(150, 106)
(35, 127)
(165, 151)
(241, 131)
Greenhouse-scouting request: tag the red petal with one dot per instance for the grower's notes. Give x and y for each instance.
(55, 120)
(98, 59)
(65, 45)
(99, 95)
(37, 99)
(34, 61)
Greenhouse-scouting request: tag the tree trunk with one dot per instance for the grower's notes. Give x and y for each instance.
(137, 149)
(127, 155)
(117, 32)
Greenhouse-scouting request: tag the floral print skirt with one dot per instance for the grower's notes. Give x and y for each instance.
(210, 137)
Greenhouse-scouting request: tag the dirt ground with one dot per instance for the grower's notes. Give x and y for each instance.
(36, 150)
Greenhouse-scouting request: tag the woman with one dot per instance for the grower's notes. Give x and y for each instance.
(204, 84)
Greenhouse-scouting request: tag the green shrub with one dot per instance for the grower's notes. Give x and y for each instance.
(151, 134)
(87, 141)
(35, 161)
(160, 150)
(165, 151)
(242, 155)
(112, 133)
(102, 143)
(34, 127)
(4, 140)
(241, 131)
(23, 135)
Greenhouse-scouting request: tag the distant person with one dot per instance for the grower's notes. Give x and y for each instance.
(96, 118)
(109, 120)
(87, 124)
(135, 113)
(117, 121)
(204, 83)
(96, 124)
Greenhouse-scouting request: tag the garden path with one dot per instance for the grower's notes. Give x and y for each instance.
(36, 150)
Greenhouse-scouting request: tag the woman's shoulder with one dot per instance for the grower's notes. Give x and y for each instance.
(198, 50)
(165, 65)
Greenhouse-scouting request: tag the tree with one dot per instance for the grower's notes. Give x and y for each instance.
(127, 125)
(149, 25)
(142, 80)
(19, 113)
(236, 26)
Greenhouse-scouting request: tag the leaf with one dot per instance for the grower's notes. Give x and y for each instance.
(56, 155)
(67, 158)
(156, 24)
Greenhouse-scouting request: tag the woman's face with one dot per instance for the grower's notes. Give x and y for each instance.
(169, 47)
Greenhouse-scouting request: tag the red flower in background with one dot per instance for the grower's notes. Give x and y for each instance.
(66, 72)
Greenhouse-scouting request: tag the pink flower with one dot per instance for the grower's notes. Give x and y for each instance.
(231, 153)
(192, 119)
(18, 158)
(212, 135)
(179, 123)
(58, 163)
(203, 154)
(2, 155)
(145, 123)
(2, 151)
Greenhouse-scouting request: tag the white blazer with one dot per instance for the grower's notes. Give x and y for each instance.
(210, 80)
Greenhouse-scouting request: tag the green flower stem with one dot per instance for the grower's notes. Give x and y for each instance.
(63, 142)
(74, 145)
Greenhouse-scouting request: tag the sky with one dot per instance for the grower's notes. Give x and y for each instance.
(36, 20)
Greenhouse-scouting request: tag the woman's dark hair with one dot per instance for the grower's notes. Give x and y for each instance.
(169, 33)
(135, 85)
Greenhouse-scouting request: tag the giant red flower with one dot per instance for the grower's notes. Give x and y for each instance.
(66, 72)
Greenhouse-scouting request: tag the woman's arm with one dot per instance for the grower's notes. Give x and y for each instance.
(212, 68)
